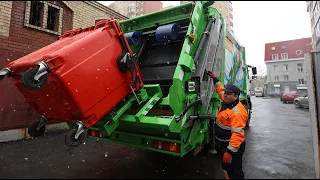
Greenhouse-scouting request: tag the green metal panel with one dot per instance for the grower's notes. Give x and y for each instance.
(199, 20)
(161, 17)
(245, 90)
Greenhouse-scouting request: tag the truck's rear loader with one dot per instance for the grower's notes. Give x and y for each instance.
(175, 110)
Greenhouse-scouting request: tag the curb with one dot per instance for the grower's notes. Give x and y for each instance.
(22, 133)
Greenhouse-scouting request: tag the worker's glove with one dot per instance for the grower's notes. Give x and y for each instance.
(227, 158)
(211, 74)
(227, 161)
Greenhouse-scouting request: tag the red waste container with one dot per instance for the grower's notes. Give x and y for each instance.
(79, 78)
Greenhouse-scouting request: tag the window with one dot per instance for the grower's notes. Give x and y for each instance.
(226, 18)
(141, 9)
(284, 47)
(301, 81)
(286, 78)
(276, 78)
(273, 48)
(308, 44)
(300, 68)
(298, 52)
(274, 56)
(53, 18)
(43, 16)
(284, 55)
(275, 67)
(36, 11)
(132, 4)
(285, 67)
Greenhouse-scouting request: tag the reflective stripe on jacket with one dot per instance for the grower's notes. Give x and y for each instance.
(230, 123)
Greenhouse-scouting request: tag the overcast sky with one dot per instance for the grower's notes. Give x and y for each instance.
(260, 22)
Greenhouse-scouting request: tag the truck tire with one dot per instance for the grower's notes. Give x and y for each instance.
(248, 107)
(249, 118)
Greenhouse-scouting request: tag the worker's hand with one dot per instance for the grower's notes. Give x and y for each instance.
(227, 158)
(211, 74)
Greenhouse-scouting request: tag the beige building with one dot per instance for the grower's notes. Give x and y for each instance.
(313, 7)
(136, 8)
(85, 13)
(225, 8)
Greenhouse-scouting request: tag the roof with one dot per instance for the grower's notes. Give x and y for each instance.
(295, 49)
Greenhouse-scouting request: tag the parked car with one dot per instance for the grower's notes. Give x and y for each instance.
(281, 94)
(273, 94)
(289, 97)
(301, 102)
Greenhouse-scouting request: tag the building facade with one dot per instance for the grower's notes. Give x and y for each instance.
(259, 81)
(26, 26)
(136, 8)
(285, 65)
(313, 8)
(225, 8)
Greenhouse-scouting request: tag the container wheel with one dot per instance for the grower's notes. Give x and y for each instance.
(70, 139)
(34, 132)
(29, 81)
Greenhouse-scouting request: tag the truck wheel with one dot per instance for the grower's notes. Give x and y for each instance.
(248, 107)
(32, 130)
(249, 118)
(29, 81)
(70, 139)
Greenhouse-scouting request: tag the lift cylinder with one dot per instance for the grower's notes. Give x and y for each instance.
(167, 32)
(134, 38)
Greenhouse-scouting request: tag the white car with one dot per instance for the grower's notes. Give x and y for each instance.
(301, 102)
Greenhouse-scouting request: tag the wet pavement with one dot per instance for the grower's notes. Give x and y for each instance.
(278, 145)
(279, 142)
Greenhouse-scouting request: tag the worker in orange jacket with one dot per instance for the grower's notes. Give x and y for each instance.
(229, 129)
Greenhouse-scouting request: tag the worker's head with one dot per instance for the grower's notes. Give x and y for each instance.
(231, 93)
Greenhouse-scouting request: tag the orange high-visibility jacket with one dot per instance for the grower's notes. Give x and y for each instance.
(230, 123)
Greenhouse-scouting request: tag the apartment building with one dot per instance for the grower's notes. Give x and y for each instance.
(136, 8)
(225, 8)
(285, 65)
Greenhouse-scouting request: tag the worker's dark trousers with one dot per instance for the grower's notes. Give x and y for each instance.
(235, 169)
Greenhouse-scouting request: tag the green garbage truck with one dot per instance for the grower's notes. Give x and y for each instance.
(175, 111)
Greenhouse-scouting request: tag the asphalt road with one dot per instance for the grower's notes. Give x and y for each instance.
(279, 145)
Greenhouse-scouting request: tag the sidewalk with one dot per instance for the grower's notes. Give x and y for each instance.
(22, 133)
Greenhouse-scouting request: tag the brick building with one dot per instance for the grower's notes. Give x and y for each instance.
(225, 8)
(285, 65)
(26, 26)
(136, 8)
